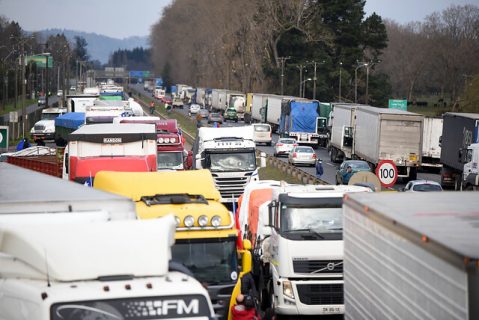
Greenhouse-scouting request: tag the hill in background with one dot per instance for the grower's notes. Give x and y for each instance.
(100, 47)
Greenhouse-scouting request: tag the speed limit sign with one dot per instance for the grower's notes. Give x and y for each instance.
(387, 173)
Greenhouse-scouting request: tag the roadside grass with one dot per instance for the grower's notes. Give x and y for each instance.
(272, 173)
(4, 109)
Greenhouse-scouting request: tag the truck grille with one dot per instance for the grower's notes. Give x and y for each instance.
(39, 127)
(231, 187)
(318, 266)
(314, 294)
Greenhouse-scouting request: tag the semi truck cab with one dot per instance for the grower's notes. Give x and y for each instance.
(470, 158)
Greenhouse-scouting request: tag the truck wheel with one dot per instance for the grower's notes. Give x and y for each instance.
(413, 174)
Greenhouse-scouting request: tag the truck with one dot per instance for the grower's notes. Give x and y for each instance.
(300, 119)
(22, 200)
(44, 130)
(171, 153)
(98, 147)
(66, 124)
(376, 134)
(218, 99)
(411, 256)
(235, 108)
(199, 97)
(159, 93)
(460, 151)
(148, 85)
(431, 150)
(230, 155)
(47, 279)
(207, 240)
(298, 247)
(259, 104)
(79, 102)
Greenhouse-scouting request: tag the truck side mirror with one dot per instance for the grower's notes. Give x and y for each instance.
(271, 209)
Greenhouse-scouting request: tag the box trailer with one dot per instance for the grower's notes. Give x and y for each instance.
(389, 134)
(431, 149)
(342, 139)
(411, 256)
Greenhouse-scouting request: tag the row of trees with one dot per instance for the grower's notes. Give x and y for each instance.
(244, 46)
(15, 43)
(135, 59)
(438, 56)
(249, 46)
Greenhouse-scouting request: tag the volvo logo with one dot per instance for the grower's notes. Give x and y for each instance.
(330, 266)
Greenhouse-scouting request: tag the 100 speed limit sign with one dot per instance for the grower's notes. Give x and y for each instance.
(387, 173)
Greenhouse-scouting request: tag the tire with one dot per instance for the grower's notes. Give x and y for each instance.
(268, 143)
(412, 174)
(275, 155)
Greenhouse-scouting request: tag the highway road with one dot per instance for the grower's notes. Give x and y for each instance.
(329, 167)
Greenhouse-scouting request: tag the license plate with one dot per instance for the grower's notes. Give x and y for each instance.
(304, 137)
(412, 157)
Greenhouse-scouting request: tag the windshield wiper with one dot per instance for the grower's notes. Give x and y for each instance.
(307, 230)
(176, 198)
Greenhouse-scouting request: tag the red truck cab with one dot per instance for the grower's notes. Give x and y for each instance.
(171, 153)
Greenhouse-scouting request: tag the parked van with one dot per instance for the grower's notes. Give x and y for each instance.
(262, 133)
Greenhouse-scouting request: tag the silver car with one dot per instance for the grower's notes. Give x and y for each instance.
(422, 186)
(302, 155)
(284, 146)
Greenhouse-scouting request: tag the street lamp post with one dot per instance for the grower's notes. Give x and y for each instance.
(340, 67)
(303, 85)
(283, 60)
(362, 64)
(300, 67)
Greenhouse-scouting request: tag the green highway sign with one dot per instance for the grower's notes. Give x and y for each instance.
(398, 104)
(40, 61)
(3, 137)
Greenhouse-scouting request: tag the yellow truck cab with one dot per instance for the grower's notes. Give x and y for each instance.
(206, 232)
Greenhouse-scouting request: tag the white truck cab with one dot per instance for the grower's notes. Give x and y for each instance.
(77, 271)
(45, 128)
(302, 258)
(470, 180)
(230, 154)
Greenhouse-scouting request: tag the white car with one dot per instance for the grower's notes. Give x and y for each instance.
(422, 186)
(59, 93)
(194, 108)
(284, 146)
(302, 155)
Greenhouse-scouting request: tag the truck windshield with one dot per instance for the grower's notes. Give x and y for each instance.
(144, 308)
(212, 261)
(324, 223)
(49, 116)
(169, 160)
(234, 161)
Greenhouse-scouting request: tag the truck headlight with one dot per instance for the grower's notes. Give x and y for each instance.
(178, 221)
(216, 221)
(189, 221)
(203, 221)
(288, 289)
(160, 140)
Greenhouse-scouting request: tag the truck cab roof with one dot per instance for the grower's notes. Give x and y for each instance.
(87, 250)
(96, 133)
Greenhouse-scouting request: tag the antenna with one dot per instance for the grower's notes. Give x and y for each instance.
(48, 272)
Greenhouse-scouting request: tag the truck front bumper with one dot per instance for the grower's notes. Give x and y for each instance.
(43, 136)
(310, 297)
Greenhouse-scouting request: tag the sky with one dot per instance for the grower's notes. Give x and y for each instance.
(124, 18)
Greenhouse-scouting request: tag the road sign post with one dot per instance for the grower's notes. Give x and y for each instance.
(387, 173)
(4, 137)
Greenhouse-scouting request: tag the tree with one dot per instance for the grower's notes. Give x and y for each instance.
(80, 49)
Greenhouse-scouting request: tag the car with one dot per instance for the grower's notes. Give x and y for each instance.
(356, 166)
(73, 89)
(42, 101)
(166, 100)
(262, 133)
(422, 186)
(215, 117)
(194, 108)
(284, 146)
(302, 155)
(204, 113)
(59, 93)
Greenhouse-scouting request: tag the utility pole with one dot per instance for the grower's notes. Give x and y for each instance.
(314, 82)
(46, 80)
(300, 67)
(24, 113)
(340, 67)
(283, 60)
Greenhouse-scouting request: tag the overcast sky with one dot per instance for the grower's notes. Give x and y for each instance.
(123, 18)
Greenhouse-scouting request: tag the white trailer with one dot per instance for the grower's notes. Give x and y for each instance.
(389, 134)
(431, 148)
(26, 193)
(273, 112)
(411, 256)
(342, 139)
(91, 270)
(258, 107)
(218, 99)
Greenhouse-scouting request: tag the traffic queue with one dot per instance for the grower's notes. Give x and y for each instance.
(152, 240)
